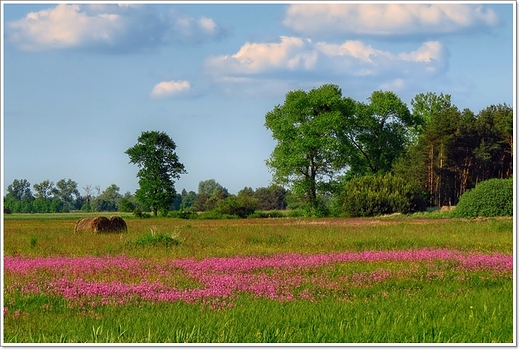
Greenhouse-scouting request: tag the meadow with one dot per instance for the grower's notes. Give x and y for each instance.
(399, 279)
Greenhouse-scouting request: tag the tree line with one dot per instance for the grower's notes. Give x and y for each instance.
(64, 196)
(330, 150)
(326, 140)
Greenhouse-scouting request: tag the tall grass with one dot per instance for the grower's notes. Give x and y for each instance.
(257, 236)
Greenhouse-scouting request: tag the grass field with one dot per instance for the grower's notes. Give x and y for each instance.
(380, 280)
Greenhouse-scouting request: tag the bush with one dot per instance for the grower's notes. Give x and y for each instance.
(296, 213)
(183, 214)
(215, 215)
(241, 206)
(489, 198)
(373, 195)
(266, 214)
(138, 213)
(155, 240)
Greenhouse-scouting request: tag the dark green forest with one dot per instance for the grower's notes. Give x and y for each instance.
(329, 148)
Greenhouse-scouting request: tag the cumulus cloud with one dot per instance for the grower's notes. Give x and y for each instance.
(112, 28)
(302, 56)
(388, 19)
(170, 88)
(290, 53)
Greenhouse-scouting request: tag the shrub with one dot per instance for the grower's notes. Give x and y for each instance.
(156, 239)
(489, 198)
(241, 206)
(296, 213)
(373, 195)
(214, 214)
(183, 214)
(266, 214)
(138, 213)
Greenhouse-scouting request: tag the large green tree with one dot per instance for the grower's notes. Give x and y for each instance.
(378, 134)
(159, 167)
(308, 154)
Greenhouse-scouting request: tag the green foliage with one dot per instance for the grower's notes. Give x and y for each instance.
(489, 198)
(296, 213)
(126, 206)
(159, 166)
(457, 149)
(266, 214)
(377, 134)
(215, 215)
(67, 192)
(108, 200)
(140, 214)
(241, 206)
(155, 239)
(306, 126)
(20, 190)
(210, 193)
(373, 195)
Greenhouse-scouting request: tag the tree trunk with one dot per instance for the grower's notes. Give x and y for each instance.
(431, 188)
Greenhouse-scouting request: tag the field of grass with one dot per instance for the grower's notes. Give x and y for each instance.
(287, 280)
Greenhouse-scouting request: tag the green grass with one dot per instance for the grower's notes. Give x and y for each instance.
(203, 238)
(478, 309)
(418, 313)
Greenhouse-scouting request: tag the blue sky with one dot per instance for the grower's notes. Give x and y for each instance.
(82, 81)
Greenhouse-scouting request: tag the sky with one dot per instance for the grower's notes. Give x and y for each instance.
(82, 81)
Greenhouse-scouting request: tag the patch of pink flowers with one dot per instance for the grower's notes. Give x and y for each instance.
(117, 280)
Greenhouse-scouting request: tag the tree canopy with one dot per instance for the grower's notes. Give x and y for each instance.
(159, 167)
(306, 127)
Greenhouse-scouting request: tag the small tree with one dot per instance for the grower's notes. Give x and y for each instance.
(159, 167)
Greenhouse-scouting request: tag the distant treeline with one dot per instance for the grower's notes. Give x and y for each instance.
(64, 196)
(447, 152)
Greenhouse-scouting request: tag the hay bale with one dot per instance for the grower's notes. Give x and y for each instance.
(94, 224)
(117, 224)
(84, 224)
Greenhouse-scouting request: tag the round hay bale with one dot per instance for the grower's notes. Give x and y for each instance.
(83, 225)
(94, 224)
(117, 224)
(100, 224)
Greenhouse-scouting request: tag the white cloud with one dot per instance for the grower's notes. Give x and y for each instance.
(387, 19)
(170, 88)
(61, 27)
(207, 25)
(290, 53)
(112, 28)
(299, 56)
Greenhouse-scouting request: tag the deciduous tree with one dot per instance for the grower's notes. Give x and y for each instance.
(308, 153)
(378, 134)
(159, 167)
